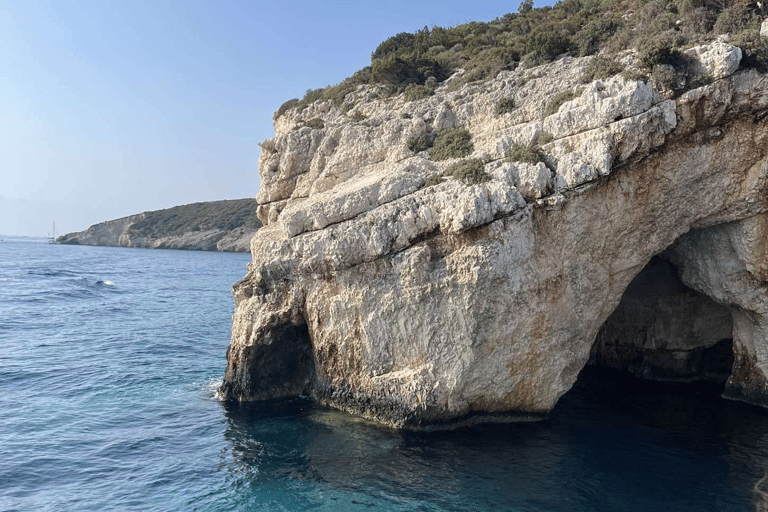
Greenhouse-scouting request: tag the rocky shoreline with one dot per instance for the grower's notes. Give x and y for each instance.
(385, 285)
(226, 226)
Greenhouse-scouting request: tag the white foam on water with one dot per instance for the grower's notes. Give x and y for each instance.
(211, 388)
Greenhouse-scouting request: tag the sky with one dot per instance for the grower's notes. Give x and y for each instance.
(110, 108)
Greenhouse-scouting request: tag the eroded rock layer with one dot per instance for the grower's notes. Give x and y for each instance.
(419, 304)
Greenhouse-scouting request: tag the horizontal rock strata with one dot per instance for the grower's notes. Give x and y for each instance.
(422, 306)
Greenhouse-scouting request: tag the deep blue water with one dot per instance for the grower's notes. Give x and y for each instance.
(109, 359)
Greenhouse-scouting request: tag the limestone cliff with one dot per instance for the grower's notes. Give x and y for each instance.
(382, 286)
(210, 226)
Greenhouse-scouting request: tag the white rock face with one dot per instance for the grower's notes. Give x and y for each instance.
(533, 180)
(421, 305)
(764, 28)
(717, 59)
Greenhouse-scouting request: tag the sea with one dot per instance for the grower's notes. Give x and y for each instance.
(109, 363)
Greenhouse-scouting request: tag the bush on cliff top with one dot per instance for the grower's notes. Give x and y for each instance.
(659, 29)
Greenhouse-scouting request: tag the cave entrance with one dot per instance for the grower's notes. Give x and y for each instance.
(663, 330)
(285, 365)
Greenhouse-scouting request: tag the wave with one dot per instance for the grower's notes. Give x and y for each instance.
(211, 387)
(49, 272)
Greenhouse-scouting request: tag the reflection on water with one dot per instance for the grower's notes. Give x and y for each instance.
(613, 443)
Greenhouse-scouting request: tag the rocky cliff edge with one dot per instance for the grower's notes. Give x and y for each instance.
(384, 285)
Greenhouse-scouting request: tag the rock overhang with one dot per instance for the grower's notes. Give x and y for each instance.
(431, 305)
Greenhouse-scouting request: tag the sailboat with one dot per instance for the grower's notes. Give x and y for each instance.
(52, 238)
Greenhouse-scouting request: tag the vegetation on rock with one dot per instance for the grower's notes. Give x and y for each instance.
(451, 143)
(558, 99)
(417, 92)
(658, 29)
(315, 123)
(526, 154)
(505, 106)
(471, 171)
(421, 142)
(445, 144)
(601, 68)
(754, 48)
(224, 215)
(434, 180)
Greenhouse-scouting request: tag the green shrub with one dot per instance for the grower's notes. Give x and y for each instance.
(545, 44)
(735, 19)
(665, 78)
(601, 68)
(394, 44)
(470, 171)
(545, 138)
(402, 71)
(696, 81)
(526, 154)
(358, 117)
(315, 123)
(557, 101)
(451, 143)
(505, 106)
(633, 74)
(659, 51)
(417, 92)
(591, 38)
(656, 28)
(434, 180)
(525, 7)
(285, 107)
(754, 48)
(420, 142)
(696, 22)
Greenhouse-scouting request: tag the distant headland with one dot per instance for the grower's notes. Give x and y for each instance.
(209, 226)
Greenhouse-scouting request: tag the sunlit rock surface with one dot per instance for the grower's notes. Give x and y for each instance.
(429, 306)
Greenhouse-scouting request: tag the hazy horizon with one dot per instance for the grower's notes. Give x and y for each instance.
(116, 108)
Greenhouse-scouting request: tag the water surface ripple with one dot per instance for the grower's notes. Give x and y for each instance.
(109, 359)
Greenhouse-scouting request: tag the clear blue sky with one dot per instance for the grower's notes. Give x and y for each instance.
(111, 108)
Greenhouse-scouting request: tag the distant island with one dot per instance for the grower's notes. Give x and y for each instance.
(209, 226)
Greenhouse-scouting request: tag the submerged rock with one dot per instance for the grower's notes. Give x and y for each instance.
(422, 306)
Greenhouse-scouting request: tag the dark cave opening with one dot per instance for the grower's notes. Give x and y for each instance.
(285, 366)
(663, 330)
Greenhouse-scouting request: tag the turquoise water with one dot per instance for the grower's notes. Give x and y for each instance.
(109, 359)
